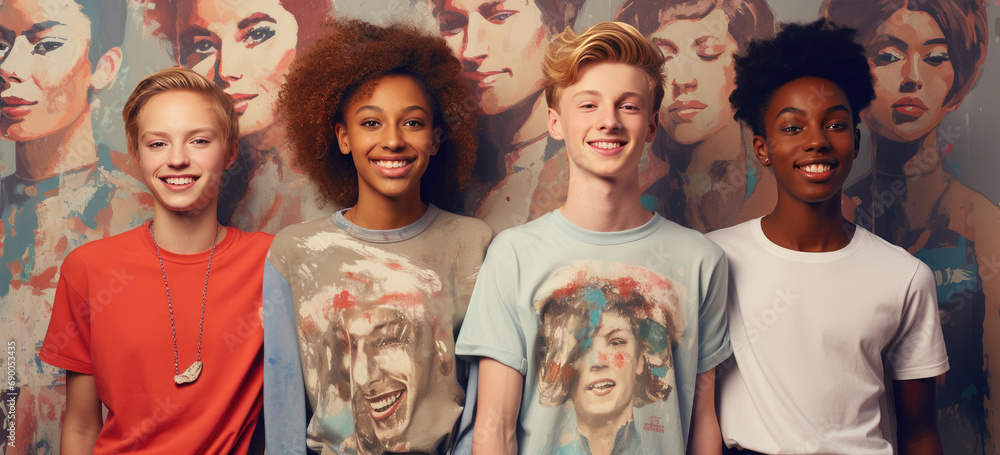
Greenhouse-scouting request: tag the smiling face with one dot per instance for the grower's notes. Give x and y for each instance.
(605, 119)
(913, 76)
(700, 76)
(811, 140)
(244, 47)
(181, 151)
(391, 136)
(501, 45)
(45, 69)
(607, 375)
(387, 377)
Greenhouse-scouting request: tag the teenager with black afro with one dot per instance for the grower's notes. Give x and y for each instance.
(821, 311)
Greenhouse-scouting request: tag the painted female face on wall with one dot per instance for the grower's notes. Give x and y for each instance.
(606, 377)
(700, 76)
(501, 45)
(245, 47)
(45, 70)
(913, 75)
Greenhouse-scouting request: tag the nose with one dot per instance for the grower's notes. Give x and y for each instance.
(14, 66)
(816, 140)
(391, 138)
(364, 369)
(476, 47)
(912, 79)
(230, 67)
(596, 359)
(681, 74)
(177, 157)
(610, 119)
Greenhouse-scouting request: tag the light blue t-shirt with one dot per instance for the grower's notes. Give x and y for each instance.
(608, 328)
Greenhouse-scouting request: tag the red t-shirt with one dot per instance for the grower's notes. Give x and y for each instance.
(110, 320)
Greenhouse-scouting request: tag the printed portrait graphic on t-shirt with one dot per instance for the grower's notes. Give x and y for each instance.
(605, 350)
(378, 347)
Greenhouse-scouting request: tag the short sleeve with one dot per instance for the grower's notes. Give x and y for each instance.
(713, 327)
(284, 386)
(492, 327)
(67, 340)
(918, 350)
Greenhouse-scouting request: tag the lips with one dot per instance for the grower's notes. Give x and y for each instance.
(817, 171)
(241, 101)
(607, 147)
(601, 387)
(384, 405)
(685, 110)
(909, 106)
(179, 182)
(15, 107)
(486, 78)
(393, 167)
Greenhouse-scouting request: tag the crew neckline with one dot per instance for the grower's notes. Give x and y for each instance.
(605, 238)
(389, 235)
(853, 246)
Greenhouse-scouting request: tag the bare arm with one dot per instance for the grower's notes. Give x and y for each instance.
(83, 419)
(706, 438)
(499, 399)
(916, 417)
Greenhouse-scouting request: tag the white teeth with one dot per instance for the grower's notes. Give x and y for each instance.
(179, 180)
(387, 402)
(602, 385)
(606, 145)
(391, 164)
(816, 168)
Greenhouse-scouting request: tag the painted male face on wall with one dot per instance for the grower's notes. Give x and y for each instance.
(700, 76)
(45, 69)
(501, 45)
(246, 47)
(913, 75)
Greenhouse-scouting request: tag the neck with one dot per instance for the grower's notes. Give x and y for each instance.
(809, 227)
(535, 125)
(62, 151)
(601, 434)
(377, 212)
(726, 144)
(602, 204)
(910, 159)
(516, 123)
(187, 232)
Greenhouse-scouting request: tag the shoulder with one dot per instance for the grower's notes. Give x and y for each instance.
(733, 235)
(252, 241)
(109, 247)
(465, 226)
(881, 255)
(292, 236)
(686, 241)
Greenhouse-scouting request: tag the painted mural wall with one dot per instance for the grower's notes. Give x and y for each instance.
(925, 179)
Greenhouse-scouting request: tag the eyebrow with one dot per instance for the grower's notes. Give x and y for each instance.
(407, 110)
(795, 110)
(487, 7)
(892, 40)
(204, 130)
(39, 28)
(596, 93)
(936, 41)
(254, 19)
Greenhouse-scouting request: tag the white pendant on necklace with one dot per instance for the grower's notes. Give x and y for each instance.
(189, 375)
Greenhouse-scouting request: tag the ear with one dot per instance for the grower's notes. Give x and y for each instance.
(654, 120)
(106, 69)
(438, 132)
(345, 145)
(760, 149)
(234, 152)
(555, 125)
(857, 142)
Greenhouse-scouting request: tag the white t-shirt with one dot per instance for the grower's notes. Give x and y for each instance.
(815, 337)
(601, 324)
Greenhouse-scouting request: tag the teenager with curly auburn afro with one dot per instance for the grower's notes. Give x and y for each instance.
(361, 345)
(344, 64)
(809, 366)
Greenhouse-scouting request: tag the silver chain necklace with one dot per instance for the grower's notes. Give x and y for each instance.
(192, 372)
